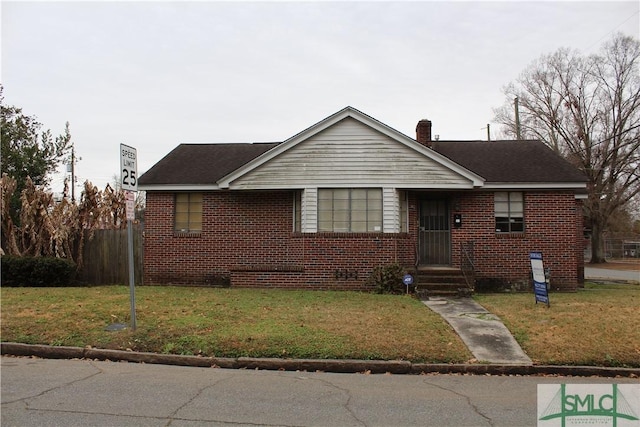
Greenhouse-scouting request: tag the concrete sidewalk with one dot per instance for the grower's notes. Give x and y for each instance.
(484, 333)
(609, 274)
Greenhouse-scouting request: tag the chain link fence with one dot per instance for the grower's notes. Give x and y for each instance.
(618, 248)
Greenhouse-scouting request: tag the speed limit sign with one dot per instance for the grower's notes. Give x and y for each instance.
(129, 183)
(128, 168)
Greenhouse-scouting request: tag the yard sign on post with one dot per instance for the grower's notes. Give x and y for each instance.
(407, 279)
(129, 183)
(539, 280)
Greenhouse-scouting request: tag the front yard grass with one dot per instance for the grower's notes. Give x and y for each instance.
(598, 325)
(233, 323)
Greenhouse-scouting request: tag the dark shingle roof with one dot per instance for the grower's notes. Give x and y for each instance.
(201, 163)
(510, 161)
(495, 161)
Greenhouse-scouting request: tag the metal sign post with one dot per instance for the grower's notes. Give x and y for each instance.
(129, 183)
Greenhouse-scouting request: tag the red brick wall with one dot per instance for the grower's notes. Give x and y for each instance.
(553, 226)
(247, 237)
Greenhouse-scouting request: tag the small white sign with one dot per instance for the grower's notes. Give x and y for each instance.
(130, 198)
(588, 404)
(128, 168)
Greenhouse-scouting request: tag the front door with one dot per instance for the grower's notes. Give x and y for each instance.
(434, 238)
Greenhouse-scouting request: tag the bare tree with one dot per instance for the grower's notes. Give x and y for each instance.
(586, 108)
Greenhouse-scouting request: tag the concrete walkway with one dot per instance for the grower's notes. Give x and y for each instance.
(484, 333)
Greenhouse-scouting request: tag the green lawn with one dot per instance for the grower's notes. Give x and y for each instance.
(233, 322)
(596, 326)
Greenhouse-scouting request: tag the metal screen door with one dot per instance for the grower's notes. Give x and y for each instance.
(435, 237)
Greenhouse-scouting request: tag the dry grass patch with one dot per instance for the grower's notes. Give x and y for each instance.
(599, 325)
(233, 322)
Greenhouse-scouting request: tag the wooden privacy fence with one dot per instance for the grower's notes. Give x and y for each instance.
(106, 259)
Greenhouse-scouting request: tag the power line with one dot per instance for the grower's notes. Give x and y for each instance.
(611, 32)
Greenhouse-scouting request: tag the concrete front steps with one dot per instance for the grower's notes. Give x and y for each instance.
(441, 281)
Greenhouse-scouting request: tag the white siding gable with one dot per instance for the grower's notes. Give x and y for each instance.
(351, 154)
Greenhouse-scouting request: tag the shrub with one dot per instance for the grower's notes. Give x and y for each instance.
(387, 279)
(37, 271)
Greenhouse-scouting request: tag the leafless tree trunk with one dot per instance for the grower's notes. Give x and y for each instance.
(588, 110)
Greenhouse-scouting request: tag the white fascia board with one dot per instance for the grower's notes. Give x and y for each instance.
(477, 180)
(535, 186)
(469, 186)
(177, 187)
(294, 186)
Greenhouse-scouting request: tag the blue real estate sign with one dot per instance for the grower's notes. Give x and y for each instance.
(407, 280)
(539, 282)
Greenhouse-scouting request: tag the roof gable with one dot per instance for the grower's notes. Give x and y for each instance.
(351, 154)
(365, 121)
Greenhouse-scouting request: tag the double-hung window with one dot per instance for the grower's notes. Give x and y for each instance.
(188, 212)
(350, 210)
(509, 211)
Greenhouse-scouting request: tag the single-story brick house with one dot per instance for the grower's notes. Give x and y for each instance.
(323, 208)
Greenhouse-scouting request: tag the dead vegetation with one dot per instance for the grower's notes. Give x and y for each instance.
(44, 227)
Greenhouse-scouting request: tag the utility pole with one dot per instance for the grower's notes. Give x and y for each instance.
(488, 128)
(73, 174)
(518, 135)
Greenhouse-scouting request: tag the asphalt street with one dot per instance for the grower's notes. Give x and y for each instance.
(54, 392)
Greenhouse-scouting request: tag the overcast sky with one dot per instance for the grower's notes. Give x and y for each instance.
(156, 74)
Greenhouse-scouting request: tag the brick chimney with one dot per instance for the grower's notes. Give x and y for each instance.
(423, 133)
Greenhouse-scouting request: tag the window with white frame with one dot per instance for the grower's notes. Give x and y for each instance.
(350, 210)
(509, 211)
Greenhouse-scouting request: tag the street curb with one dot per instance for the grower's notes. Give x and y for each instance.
(323, 365)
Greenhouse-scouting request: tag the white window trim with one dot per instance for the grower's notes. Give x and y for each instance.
(390, 210)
